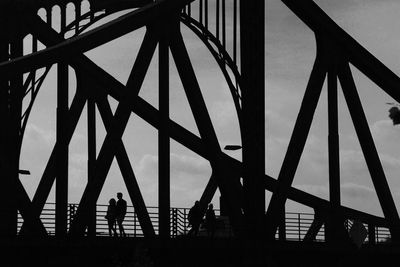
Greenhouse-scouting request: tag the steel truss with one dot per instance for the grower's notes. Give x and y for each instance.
(162, 20)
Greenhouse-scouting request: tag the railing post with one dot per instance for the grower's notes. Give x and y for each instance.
(71, 214)
(174, 222)
(173, 226)
(299, 225)
(134, 224)
(69, 217)
(184, 221)
(282, 226)
(377, 234)
(371, 234)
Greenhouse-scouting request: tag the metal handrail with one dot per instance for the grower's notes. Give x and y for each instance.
(296, 224)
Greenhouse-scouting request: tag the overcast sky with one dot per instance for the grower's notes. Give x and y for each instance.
(290, 52)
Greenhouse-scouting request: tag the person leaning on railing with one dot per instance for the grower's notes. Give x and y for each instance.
(121, 212)
(111, 216)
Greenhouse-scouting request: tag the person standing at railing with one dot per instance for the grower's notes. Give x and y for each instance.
(121, 211)
(194, 218)
(211, 221)
(111, 216)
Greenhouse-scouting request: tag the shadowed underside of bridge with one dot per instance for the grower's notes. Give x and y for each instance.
(242, 184)
(187, 252)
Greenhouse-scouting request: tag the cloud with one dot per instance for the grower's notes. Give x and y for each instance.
(316, 190)
(352, 194)
(78, 159)
(352, 190)
(37, 147)
(341, 6)
(35, 134)
(224, 113)
(180, 165)
(386, 136)
(189, 176)
(360, 197)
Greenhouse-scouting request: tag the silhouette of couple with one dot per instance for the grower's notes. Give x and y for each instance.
(116, 211)
(195, 218)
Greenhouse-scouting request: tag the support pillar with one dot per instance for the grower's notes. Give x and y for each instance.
(163, 138)
(334, 224)
(91, 124)
(253, 105)
(11, 46)
(62, 155)
(14, 138)
(333, 138)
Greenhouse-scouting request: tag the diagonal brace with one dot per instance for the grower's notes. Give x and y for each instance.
(369, 150)
(297, 142)
(127, 172)
(121, 118)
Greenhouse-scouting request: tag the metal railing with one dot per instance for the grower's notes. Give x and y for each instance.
(296, 224)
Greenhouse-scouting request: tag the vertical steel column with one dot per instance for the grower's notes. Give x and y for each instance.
(223, 24)
(333, 137)
(11, 101)
(217, 19)
(91, 124)
(163, 136)
(77, 15)
(13, 138)
(206, 14)
(49, 15)
(201, 11)
(252, 53)
(62, 155)
(234, 31)
(334, 223)
(4, 118)
(282, 224)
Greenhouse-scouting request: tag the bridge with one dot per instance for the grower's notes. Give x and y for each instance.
(40, 35)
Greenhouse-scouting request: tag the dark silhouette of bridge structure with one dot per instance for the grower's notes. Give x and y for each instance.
(242, 183)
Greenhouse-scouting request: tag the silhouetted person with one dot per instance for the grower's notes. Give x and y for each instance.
(121, 211)
(111, 216)
(194, 217)
(211, 220)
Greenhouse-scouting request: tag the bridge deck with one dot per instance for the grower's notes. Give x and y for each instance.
(186, 251)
